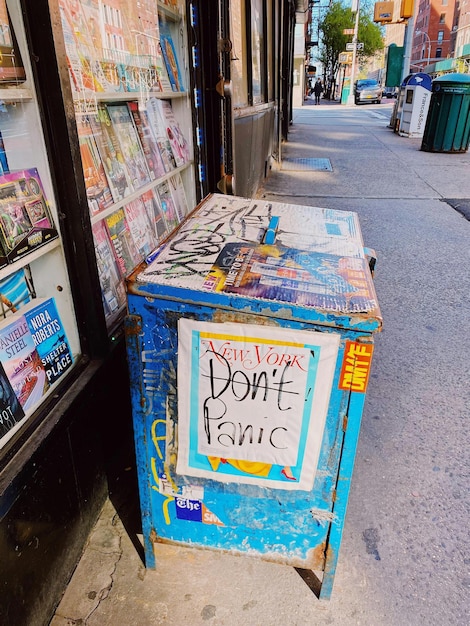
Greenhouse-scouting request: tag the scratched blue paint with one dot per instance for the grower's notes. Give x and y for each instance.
(299, 528)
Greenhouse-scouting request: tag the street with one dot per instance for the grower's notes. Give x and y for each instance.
(404, 559)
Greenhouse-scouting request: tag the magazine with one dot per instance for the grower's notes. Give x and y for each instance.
(112, 289)
(157, 124)
(142, 230)
(125, 251)
(148, 141)
(98, 193)
(111, 154)
(129, 142)
(25, 220)
(168, 206)
(155, 215)
(170, 57)
(179, 196)
(177, 140)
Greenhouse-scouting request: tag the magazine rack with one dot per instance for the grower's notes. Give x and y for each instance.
(132, 105)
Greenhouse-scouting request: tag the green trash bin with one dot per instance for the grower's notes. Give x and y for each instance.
(448, 123)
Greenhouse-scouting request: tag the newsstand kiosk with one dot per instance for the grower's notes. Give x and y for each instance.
(250, 340)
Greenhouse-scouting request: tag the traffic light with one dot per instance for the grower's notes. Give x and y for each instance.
(407, 8)
(383, 12)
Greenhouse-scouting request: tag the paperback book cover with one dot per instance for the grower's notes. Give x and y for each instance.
(11, 412)
(25, 220)
(168, 206)
(129, 141)
(21, 362)
(49, 337)
(142, 230)
(14, 293)
(148, 141)
(155, 215)
(111, 154)
(157, 125)
(170, 57)
(178, 142)
(98, 192)
(112, 289)
(125, 251)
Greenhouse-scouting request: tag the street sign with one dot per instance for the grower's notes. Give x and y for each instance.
(345, 58)
(350, 46)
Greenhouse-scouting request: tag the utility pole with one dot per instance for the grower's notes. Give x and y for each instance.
(355, 5)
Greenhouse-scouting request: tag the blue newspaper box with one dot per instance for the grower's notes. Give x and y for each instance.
(249, 341)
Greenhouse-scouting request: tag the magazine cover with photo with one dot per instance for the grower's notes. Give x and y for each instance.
(168, 206)
(98, 192)
(170, 57)
(112, 289)
(25, 220)
(129, 141)
(157, 124)
(142, 230)
(148, 140)
(155, 214)
(111, 154)
(14, 293)
(179, 196)
(125, 251)
(178, 142)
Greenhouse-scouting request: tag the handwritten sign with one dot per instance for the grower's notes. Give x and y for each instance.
(252, 402)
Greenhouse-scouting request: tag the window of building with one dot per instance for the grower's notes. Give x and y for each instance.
(440, 36)
(442, 19)
(239, 73)
(257, 39)
(438, 53)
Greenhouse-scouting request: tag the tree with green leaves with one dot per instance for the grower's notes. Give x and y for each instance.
(336, 19)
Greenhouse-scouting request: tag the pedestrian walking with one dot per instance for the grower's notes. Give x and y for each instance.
(318, 90)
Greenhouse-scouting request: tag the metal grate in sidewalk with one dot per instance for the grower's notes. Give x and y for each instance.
(306, 165)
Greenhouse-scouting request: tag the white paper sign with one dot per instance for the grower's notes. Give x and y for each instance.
(252, 402)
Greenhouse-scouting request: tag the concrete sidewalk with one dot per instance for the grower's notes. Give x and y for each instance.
(404, 556)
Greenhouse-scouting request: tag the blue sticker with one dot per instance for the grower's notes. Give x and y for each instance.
(188, 509)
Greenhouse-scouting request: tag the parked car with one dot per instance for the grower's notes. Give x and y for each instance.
(367, 90)
(390, 92)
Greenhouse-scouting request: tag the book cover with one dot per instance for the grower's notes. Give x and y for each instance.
(178, 143)
(168, 206)
(98, 192)
(125, 251)
(112, 289)
(170, 57)
(129, 141)
(148, 140)
(49, 337)
(155, 214)
(14, 293)
(21, 362)
(142, 230)
(25, 219)
(179, 196)
(111, 154)
(157, 125)
(11, 412)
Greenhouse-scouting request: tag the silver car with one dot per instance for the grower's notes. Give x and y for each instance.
(367, 90)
